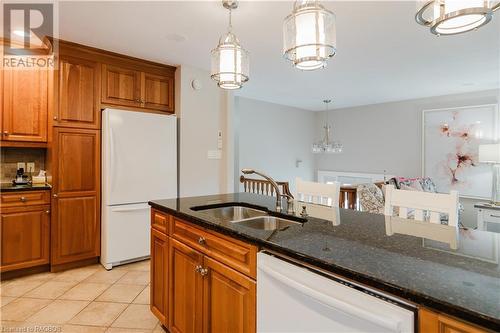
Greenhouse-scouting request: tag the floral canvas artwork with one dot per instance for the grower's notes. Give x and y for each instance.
(451, 139)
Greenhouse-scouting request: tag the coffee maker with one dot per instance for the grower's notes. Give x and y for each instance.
(21, 178)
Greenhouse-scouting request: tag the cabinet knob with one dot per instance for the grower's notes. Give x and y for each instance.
(54, 195)
(5, 133)
(47, 211)
(202, 240)
(55, 117)
(23, 199)
(202, 271)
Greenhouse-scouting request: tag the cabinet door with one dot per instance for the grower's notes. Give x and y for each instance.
(229, 299)
(121, 86)
(25, 238)
(432, 322)
(79, 81)
(76, 202)
(159, 276)
(158, 92)
(186, 303)
(25, 105)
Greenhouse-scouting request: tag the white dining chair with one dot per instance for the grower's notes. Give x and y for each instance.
(317, 193)
(426, 206)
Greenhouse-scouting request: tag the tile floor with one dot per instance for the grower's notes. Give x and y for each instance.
(88, 299)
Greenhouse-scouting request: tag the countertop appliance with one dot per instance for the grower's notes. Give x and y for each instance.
(293, 297)
(139, 163)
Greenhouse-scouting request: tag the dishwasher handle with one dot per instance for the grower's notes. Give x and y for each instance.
(332, 302)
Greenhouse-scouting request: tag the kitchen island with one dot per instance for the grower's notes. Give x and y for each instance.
(444, 270)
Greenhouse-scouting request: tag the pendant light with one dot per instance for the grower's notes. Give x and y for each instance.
(229, 59)
(325, 145)
(309, 35)
(450, 17)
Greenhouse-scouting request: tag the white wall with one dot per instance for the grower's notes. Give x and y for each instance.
(389, 137)
(201, 114)
(271, 137)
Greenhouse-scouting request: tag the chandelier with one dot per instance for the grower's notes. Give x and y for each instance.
(230, 66)
(309, 36)
(325, 145)
(450, 17)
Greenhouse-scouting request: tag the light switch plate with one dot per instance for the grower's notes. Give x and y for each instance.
(219, 139)
(30, 167)
(21, 165)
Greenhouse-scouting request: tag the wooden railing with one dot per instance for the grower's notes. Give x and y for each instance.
(262, 186)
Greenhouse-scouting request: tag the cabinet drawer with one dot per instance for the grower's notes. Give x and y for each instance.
(238, 255)
(159, 221)
(29, 198)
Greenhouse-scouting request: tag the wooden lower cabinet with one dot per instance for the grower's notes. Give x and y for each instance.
(25, 237)
(229, 299)
(432, 322)
(204, 294)
(159, 276)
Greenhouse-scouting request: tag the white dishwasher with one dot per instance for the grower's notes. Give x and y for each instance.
(295, 298)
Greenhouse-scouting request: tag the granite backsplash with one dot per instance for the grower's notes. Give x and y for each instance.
(11, 156)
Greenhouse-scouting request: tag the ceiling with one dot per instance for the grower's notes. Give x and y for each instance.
(383, 55)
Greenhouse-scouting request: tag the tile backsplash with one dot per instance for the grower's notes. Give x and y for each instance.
(10, 157)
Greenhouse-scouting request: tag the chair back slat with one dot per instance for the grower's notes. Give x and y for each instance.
(423, 203)
(262, 186)
(318, 193)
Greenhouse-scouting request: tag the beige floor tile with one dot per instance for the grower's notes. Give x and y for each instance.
(18, 287)
(136, 266)
(4, 300)
(135, 277)
(85, 291)
(98, 314)
(42, 277)
(7, 325)
(58, 312)
(121, 293)
(106, 276)
(50, 290)
(82, 329)
(136, 316)
(143, 297)
(22, 326)
(22, 308)
(76, 275)
(159, 329)
(126, 330)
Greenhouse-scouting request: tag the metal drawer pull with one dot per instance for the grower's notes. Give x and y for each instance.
(497, 216)
(5, 133)
(23, 199)
(201, 270)
(202, 240)
(47, 211)
(54, 195)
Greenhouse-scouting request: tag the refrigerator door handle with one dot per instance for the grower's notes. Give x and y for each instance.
(129, 209)
(392, 326)
(112, 161)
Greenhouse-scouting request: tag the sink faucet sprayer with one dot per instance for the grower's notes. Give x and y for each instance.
(279, 195)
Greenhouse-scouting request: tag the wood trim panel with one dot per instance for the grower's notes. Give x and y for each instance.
(236, 254)
(159, 296)
(433, 322)
(23, 144)
(160, 221)
(23, 199)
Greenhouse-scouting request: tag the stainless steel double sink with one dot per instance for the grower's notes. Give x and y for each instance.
(246, 216)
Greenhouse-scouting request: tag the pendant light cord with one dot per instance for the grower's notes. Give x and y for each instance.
(230, 20)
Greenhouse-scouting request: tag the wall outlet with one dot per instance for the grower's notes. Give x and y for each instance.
(21, 165)
(30, 167)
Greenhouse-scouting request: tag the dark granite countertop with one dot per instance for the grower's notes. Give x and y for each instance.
(9, 187)
(449, 270)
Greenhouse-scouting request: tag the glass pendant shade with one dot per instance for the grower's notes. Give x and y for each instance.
(450, 17)
(325, 145)
(309, 35)
(229, 63)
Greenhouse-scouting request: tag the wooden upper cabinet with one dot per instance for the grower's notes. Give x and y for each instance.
(75, 228)
(158, 92)
(24, 237)
(25, 105)
(79, 85)
(139, 89)
(229, 300)
(121, 86)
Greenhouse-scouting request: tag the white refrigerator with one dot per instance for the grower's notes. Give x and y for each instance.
(139, 163)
